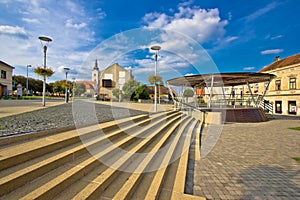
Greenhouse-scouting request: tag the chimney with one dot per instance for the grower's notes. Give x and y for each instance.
(277, 58)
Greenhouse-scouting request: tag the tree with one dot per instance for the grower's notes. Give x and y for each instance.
(151, 79)
(117, 92)
(80, 89)
(58, 87)
(188, 93)
(129, 88)
(141, 93)
(33, 84)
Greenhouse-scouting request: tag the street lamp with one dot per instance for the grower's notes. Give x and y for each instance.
(44, 41)
(66, 93)
(73, 90)
(156, 49)
(27, 81)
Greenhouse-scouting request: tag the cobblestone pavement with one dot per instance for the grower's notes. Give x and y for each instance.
(61, 116)
(252, 161)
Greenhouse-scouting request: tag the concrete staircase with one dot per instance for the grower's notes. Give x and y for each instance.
(103, 161)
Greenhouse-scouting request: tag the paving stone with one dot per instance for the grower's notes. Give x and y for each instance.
(252, 161)
(60, 116)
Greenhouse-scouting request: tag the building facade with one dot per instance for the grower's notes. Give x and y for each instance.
(5, 79)
(284, 89)
(113, 77)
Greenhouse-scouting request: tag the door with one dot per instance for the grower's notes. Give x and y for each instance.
(278, 106)
(292, 107)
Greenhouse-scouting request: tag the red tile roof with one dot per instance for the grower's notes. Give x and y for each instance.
(291, 60)
(88, 84)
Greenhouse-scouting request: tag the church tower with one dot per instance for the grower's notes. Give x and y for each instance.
(95, 78)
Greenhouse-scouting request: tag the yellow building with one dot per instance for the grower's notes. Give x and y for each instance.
(110, 78)
(5, 79)
(284, 89)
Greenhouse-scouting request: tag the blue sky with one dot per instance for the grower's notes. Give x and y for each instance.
(236, 35)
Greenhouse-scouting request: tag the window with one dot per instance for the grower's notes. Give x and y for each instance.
(107, 83)
(278, 85)
(256, 87)
(3, 74)
(292, 83)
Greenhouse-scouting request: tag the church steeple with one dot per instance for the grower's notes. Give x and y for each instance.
(96, 65)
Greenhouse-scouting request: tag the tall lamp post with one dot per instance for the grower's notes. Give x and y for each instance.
(44, 41)
(66, 93)
(156, 49)
(73, 89)
(27, 81)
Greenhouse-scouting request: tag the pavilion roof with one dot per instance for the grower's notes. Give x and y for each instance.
(221, 79)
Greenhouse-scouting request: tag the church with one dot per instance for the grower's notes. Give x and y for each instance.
(110, 78)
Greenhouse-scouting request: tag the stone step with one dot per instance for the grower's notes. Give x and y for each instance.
(161, 149)
(150, 185)
(99, 183)
(12, 155)
(20, 174)
(98, 161)
(20, 177)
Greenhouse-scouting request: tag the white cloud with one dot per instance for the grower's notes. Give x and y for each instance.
(13, 31)
(231, 38)
(248, 68)
(69, 24)
(200, 24)
(261, 11)
(271, 51)
(276, 37)
(189, 74)
(30, 20)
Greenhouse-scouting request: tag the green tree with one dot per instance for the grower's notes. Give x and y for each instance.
(188, 93)
(151, 79)
(80, 89)
(19, 80)
(58, 87)
(141, 93)
(129, 88)
(117, 92)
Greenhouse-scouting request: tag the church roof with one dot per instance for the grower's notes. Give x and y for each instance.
(288, 61)
(96, 65)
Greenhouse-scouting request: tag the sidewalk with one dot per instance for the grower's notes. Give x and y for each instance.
(13, 107)
(252, 161)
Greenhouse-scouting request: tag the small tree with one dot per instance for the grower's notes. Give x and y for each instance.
(129, 89)
(151, 79)
(141, 93)
(188, 93)
(80, 89)
(117, 92)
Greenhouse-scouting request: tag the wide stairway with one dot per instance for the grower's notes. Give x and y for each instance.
(142, 157)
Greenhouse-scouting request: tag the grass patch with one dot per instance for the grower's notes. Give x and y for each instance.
(296, 128)
(297, 159)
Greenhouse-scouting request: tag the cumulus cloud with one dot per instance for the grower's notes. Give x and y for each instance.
(13, 31)
(271, 51)
(200, 24)
(69, 24)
